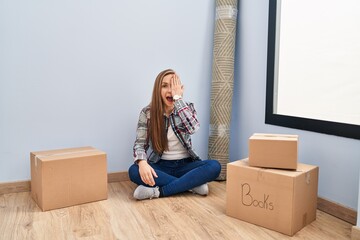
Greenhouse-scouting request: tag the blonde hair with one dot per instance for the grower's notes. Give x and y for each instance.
(157, 128)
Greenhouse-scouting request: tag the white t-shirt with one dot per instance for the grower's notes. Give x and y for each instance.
(176, 149)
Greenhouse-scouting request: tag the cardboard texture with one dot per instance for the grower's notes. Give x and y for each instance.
(280, 200)
(67, 177)
(273, 150)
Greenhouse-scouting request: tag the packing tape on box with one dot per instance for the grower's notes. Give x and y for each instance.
(275, 135)
(37, 157)
(221, 130)
(308, 178)
(259, 175)
(226, 12)
(68, 153)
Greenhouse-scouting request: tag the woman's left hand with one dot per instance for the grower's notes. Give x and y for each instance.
(176, 87)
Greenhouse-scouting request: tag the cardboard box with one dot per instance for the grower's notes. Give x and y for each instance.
(280, 200)
(273, 150)
(67, 177)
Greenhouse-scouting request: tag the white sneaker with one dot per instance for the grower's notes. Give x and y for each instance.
(142, 192)
(201, 190)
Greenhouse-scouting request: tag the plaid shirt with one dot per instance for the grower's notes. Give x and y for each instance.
(182, 120)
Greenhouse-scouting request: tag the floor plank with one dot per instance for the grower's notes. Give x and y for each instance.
(185, 216)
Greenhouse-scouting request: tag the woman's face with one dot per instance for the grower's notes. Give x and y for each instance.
(166, 96)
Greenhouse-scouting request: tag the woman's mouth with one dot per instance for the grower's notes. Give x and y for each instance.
(170, 99)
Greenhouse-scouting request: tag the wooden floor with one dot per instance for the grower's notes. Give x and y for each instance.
(185, 216)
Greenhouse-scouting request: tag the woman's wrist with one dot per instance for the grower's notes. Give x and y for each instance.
(176, 97)
(139, 161)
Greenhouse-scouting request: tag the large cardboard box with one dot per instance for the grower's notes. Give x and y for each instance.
(67, 177)
(281, 200)
(273, 150)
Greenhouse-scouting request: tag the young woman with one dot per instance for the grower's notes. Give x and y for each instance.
(165, 126)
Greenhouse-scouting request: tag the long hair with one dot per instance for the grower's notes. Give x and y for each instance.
(157, 129)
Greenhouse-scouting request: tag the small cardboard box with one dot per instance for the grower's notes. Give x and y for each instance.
(280, 200)
(273, 150)
(67, 177)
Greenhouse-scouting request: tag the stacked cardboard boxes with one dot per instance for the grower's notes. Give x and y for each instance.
(66, 177)
(270, 188)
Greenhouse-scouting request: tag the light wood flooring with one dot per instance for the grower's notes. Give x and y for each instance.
(185, 216)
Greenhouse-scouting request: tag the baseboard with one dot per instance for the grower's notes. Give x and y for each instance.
(25, 186)
(355, 233)
(14, 187)
(344, 213)
(118, 177)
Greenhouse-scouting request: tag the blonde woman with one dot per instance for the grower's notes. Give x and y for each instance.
(165, 162)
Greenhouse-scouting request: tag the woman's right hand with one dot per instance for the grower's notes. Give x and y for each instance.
(147, 173)
(176, 86)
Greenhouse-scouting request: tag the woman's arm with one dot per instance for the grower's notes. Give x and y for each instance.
(187, 114)
(141, 144)
(185, 110)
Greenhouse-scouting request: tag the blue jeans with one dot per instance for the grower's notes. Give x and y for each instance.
(176, 176)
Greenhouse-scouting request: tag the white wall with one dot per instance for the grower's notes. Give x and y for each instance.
(338, 158)
(77, 73)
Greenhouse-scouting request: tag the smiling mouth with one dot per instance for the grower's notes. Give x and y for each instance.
(170, 99)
